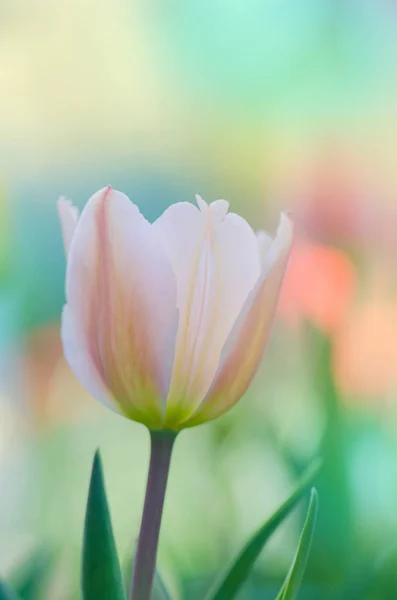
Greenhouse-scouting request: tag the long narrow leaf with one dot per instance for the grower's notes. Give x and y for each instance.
(101, 574)
(160, 591)
(238, 571)
(282, 591)
(6, 593)
(295, 576)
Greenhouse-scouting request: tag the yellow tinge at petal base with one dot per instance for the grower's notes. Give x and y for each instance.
(216, 262)
(166, 323)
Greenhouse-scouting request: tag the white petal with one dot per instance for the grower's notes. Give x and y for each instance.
(245, 345)
(68, 215)
(216, 262)
(121, 294)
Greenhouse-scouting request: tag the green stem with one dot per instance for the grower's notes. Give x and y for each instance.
(145, 558)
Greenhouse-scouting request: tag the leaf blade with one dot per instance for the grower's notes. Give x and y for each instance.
(160, 590)
(101, 573)
(295, 575)
(6, 592)
(282, 591)
(238, 571)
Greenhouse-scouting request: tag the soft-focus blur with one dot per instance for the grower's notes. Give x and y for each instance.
(270, 104)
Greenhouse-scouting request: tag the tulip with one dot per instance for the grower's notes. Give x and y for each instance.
(166, 323)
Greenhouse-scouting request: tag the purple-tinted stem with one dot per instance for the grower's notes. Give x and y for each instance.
(145, 558)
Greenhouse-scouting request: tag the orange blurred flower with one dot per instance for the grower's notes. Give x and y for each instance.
(365, 351)
(319, 285)
(48, 379)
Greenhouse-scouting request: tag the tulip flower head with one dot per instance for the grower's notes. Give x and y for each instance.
(166, 323)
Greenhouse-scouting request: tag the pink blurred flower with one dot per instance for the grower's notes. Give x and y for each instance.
(334, 209)
(166, 322)
(341, 206)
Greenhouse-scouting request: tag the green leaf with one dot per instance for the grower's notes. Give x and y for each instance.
(291, 586)
(238, 571)
(30, 577)
(160, 591)
(101, 574)
(282, 591)
(332, 558)
(6, 593)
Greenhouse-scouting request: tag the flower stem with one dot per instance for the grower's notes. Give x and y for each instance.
(145, 558)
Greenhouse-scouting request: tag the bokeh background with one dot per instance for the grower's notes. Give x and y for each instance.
(270, 104)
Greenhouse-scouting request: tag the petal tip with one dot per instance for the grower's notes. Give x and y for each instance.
(104, 193)
(64, 205)
(201, 203)
(220, 209)
(286, 227)
(68, 216)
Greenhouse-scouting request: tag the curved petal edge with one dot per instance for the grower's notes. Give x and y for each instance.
(245, 345)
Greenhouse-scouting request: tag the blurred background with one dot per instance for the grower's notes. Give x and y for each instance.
(270, 104)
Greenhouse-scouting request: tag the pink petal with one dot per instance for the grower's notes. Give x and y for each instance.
(215, 258)
(246, 343)
(121, 311)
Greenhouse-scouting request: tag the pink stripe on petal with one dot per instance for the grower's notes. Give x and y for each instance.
(121, 295)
